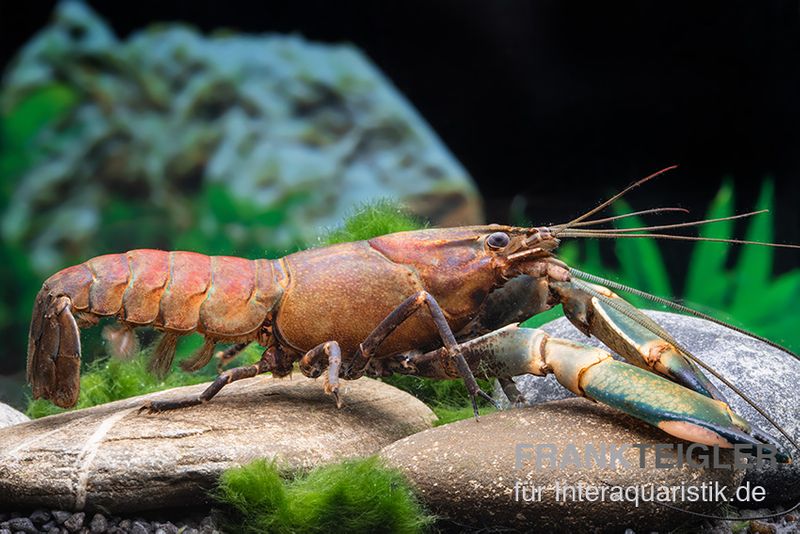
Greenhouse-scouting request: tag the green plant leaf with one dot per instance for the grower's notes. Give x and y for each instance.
(707, 281)
(754, 268)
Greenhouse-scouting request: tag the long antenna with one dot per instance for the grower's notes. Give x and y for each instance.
(600, 234)
(625, 216)
(611, 200)
(678, 225)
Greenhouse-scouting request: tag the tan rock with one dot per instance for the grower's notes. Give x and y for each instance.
(112, 458)
(465, 471)
(9, 416)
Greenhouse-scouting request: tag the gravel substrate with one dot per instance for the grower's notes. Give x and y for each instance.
(61, 522)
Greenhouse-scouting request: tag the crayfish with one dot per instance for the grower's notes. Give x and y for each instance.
(436, 302)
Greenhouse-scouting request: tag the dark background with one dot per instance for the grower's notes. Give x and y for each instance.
(561, 102)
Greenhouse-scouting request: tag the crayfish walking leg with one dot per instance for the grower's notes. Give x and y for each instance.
(452, 351)
(269, 362)
(328, 355)
(225, 356)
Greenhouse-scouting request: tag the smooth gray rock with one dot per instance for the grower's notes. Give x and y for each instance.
(769, 376)
(467, 471)
(110, 458)
(9, 416)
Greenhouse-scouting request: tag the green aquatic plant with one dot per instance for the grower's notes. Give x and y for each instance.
(448, 399)
(350, 497)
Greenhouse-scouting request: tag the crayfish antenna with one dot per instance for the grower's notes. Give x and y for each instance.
(619, 195)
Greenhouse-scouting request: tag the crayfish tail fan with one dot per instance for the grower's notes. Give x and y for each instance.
(54, 350)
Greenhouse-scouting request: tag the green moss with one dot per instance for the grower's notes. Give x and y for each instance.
(353, 496)
(371, 220)
(448, 399)
(449, 414)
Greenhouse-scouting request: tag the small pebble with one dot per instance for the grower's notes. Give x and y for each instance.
(63, 522)
(61, 516)
(22, 524)
(167, 527)
(99, 524)
(74, 523)
(759, 527)
(40, 517)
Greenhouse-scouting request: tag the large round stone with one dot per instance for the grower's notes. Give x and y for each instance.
(768, 375)
(478, 474)
(112, 458)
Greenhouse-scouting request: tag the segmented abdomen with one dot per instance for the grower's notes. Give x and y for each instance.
(180, 291)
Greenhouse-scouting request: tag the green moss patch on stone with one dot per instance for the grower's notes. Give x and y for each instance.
(352, 496)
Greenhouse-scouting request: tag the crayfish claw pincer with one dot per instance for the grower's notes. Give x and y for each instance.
(336, 397)
(484, 395)
(158, 406)
(147, 409)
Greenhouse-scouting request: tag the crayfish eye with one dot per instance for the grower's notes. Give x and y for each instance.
(498, 240)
